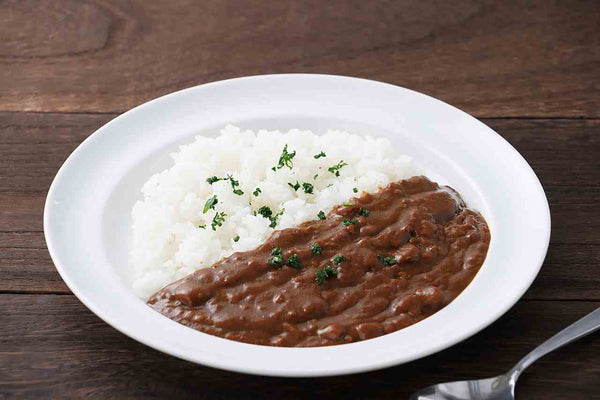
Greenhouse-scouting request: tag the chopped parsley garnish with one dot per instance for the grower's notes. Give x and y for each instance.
(348, 222)
(355, 190)
(316, 248)
(315, 177)
(285, 160)
(276, 257)
(275, 218)
(322, 274)
(234, 184)
(203, 226)
(347, 204)
(338, 258)
(386, 260)
(321, 154)
(210, 204)
(218, 220)
(256, 192)
(213, 179)
(265, 211)
(293, 261)
(236, 238)
(364, 212)
(321, 215)
(335, 169)
(308, 187)
(295, 186)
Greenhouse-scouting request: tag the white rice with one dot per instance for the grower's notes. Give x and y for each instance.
(167, 241)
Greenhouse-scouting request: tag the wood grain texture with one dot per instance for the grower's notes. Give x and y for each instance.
(525, 57)
(52, 347)
(562, 152)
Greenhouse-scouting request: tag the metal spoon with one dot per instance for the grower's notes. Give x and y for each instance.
(502, 387)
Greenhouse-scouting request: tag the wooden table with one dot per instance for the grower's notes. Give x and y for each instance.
(529, 69)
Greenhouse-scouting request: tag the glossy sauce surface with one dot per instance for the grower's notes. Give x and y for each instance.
(435, 246)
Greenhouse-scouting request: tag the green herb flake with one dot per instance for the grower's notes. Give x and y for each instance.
(321, 215)
(315, 176)
(285, 160)
(203, 226)
(308, 187)
(323, 274)
(348, 222)
(210, 204)
(355, 190)
(276, 257)
(275, 218)
(338, 258)
(295, 186)
(347, 204)
(316, 248)
(335, 169)
(386, 260)
(256, 192)
(236, 238)
(213, 179)
(218, 220)
(364, 213)
(265, 211)
(234, 185)
(321, 154)
(294, 261)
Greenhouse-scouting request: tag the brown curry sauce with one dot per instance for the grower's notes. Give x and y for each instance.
(415, 251)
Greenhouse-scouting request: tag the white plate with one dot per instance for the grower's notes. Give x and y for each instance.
(87, 213)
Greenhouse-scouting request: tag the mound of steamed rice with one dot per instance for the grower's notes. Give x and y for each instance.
(168, 243)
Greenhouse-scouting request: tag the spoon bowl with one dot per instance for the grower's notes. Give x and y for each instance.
(497, 388)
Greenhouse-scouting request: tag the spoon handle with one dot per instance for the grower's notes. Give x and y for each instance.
(576, 330)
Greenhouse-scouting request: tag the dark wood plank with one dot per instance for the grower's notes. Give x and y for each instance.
(562, 152)
(53, 347)
(33, 146)
(21, 212)
(533, 58)
(569, 272)
(29, 270)
(22, 240)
